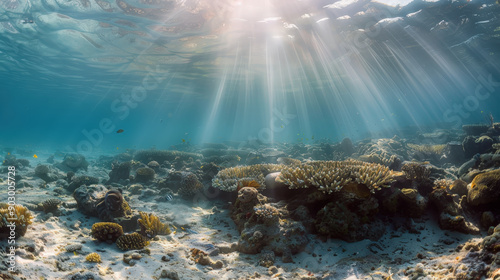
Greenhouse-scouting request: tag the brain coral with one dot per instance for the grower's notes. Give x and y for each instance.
(107, 231)
(330, 176)
(228, 179)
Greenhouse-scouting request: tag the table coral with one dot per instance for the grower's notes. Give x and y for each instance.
(228, 179)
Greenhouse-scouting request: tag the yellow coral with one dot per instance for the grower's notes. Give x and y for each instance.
(93, 257)
(133, 241)
(107, 231)
(18, 214)
(428, 149)
(151, 225)
(228, 179)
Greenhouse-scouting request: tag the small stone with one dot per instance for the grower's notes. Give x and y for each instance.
(169, 274)
(73, 247)
(165, 258)
(218, 264)
(136, 256)
(272, 270)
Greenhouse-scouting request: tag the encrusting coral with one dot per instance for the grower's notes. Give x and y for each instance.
(17, 214)
(107, 231)
(416, 171)
(330, 176)
(230, 178)
(151, 225)
(133, 241)
(93, 257)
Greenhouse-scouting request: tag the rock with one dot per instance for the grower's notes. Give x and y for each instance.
(271, 182)
(464, 168)
(73, 247)
(459, 187)
(453, 153)
(119, 171)
(479, 145)
(485, 189)
(487, 219)
(347, 147)
(169, 274)
(73, 162)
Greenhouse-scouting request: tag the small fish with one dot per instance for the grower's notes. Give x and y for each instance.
(183, 140)
(75, 253)
(312, 137)
(169, 197)
(8, 154)
(201, 167)
(117, 148)
(282, 126)
(120, 131)
(35, 156)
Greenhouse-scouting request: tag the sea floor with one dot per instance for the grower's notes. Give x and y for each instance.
(56, 243)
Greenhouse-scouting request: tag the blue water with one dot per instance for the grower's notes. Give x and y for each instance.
(188, 72)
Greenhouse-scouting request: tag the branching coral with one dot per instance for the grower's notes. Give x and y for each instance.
(330, 176)
(133, 241)
(151, 225)
(107, 231)
(228, 179)
(17, 214)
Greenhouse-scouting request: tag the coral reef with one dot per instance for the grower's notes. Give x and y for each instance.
(431, 153)
(350, 219)
(485, 189)
(108, 232)
(93, 257)
(133, 241)
(78, 181)
(332, 176)
(477, 145)
(189, 185)
(151, 226)
(73, 162)
(475, 129)
(45, 173)
(161, 155)
(18, 215)
(416, 171)
(228, 179)
(119, 171)
(11, 160)
(144, 174)
(451, 214)
(266, 224)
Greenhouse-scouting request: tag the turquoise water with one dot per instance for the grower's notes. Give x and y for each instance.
(188, 72)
